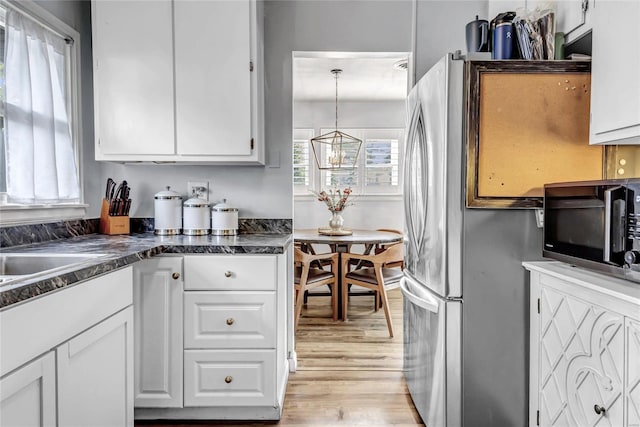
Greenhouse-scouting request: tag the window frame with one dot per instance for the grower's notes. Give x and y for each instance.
(14, 213)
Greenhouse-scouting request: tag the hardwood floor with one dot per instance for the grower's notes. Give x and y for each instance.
(349, 373)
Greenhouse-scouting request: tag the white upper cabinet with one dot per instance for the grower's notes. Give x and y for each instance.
(133, 78)
(193, 81)
(213, 99)
(571, 18)
(615, 71)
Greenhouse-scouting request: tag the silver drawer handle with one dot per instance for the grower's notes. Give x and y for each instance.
(175, 276)
(227, 274)
(230, 321)
(228, 379)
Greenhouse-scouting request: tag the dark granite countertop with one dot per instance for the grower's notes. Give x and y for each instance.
(120, 251)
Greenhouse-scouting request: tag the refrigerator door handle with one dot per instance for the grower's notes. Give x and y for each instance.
(426, 301)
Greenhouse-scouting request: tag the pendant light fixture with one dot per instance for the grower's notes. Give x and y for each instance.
(336, 150)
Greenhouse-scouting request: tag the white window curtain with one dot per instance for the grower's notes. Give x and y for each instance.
(41, 167)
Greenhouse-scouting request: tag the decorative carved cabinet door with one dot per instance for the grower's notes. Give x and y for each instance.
(632, 386)
(582, 363)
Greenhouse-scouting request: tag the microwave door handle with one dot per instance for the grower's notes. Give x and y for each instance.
(608, 213)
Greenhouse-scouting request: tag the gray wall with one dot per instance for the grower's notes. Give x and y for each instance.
(440, 29)
(355, 25)
(289, 25)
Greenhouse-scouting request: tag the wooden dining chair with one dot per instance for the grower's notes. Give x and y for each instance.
(308, 277)
(382, 246)
(378, 278)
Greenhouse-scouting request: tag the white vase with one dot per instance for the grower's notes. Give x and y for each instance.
(336, 221)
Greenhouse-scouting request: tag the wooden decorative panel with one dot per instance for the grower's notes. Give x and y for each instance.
(528, 124)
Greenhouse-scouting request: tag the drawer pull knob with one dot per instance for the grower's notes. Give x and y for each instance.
(228, 379)
(175, 276)
(227, 274)
(230, 321)
(599, 409)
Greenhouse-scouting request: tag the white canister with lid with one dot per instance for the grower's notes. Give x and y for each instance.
(224, 220)
(196, 217)
(167, 206)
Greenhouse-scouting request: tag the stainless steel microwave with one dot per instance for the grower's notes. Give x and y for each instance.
(594, 224)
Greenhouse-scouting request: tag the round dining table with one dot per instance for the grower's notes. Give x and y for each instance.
(368, 238)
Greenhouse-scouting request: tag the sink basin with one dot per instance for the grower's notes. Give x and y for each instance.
(14, 266)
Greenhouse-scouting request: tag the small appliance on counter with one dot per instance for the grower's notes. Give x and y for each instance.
(196, 216)
(224, 220)
(114, 214)
(167, 208)
(594, 224)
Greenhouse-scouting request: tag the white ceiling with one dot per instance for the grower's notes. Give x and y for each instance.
(362, 78)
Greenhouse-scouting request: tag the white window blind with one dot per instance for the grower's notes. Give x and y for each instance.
(302, 160)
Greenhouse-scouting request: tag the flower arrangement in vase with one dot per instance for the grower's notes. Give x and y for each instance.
(336, 201)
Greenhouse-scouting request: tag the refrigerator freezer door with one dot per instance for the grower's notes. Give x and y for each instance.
(432, 354)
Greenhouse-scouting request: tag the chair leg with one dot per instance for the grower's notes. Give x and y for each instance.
(387, 313)
(306, 297)
(334, 299)
(345, 298)
(298, 310)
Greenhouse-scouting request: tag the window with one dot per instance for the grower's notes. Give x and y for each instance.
(302, 161)
(379, 165)
(39, 119)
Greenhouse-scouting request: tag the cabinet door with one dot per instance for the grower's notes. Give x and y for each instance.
(581, 362)
(157, 302)
(570, 15)
(28, 395)
(615, 86)
(213, 77)
(95, 375)
(133, 77)
(632, 380)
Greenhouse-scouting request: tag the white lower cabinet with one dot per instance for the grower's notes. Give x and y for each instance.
(229, 319)
(233, 337)
(28, 395)
(229, 378)
(95, 375)
(157, 303)
(585, 348)
(66, 358)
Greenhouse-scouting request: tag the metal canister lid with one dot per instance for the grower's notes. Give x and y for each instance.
(196, 202)
(223, 207)
(167, 194)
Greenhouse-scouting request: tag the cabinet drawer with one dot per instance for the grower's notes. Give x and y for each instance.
(230, 272)
(228, 319)
(229, 378)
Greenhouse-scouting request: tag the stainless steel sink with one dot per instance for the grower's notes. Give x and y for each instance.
(17, 266)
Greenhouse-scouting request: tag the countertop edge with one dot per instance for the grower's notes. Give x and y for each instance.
(21, 292)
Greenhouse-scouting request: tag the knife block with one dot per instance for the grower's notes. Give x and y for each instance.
(112, 224)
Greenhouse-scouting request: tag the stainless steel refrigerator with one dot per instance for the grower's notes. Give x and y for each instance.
(465, 291)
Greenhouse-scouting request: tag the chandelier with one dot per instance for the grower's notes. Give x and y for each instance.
(336, 150)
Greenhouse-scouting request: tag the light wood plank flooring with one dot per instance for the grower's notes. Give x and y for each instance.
(349, 374)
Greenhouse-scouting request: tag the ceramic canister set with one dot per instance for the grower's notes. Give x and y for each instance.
(195, 217)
